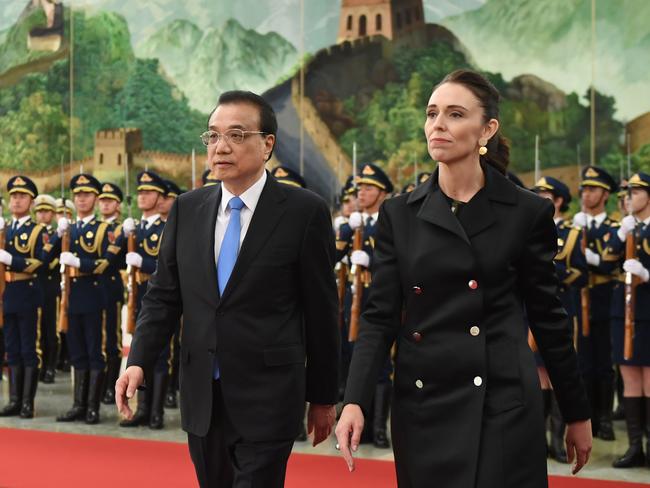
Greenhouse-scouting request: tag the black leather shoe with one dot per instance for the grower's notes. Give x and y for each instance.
(29, 392)
(80, 404)
(156, 422)
(48, 376)
(170, 400)
(383, 392)
(96, 384)
(16, 383)
(633, 457)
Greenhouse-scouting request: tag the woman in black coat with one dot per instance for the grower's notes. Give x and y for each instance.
(464, 255)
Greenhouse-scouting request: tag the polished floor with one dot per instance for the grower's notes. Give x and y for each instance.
(53, 399)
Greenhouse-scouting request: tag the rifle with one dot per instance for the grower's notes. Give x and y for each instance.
(357, 271)
(584, 292)
(65, 282)
(132, 286)
(341, 282)
(3, 284)
(531, 341)
(631, 283)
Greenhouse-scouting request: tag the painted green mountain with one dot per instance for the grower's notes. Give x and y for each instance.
(206, 63)
(552, 39)
(13, 42)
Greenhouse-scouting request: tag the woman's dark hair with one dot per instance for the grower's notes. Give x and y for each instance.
(268, 122)
(498, 147)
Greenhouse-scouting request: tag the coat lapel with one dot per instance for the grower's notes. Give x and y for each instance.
(208, 213)
(267, 213)
(435, 209)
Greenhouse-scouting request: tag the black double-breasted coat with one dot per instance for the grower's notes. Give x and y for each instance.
(467, 407)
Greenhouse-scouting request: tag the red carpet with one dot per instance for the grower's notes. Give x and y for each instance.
(30, 458)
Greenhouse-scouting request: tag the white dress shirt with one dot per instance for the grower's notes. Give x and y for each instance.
(20, 221)
(600, 218)
(250, 198)
(85, 220)
(150, 220)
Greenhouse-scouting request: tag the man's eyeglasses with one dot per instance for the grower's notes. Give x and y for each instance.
(236, 136)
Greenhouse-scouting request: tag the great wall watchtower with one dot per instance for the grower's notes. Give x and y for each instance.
(389, 18)
(116, 147)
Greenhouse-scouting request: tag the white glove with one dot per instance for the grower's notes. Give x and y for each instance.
(580, 220)
(62, 225)
(338, 222)
(70, 259)
(5, 257)
(128, 226)
(134, 259)
(355, 220)
(593, 258)
(627, 225)
(360, 258)
(635, 267)
(2, 223)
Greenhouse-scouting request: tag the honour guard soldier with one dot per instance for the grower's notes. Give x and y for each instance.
(632, 326)
(208, 178)
(373, 187)
(64, 208)
(48, 275)
(594, 339)
(86, 261)
(151, 188)
(110, 200)
(164, 207)
(22, 257)
(571, 268)
(287, 176)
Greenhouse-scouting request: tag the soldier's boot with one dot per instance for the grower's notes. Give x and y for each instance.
(112, 373)
(2, 352)
(30, 385)
(160, 380)
(79, 405)
(143, 412)
(633, 457)
(546, 398)
(619, 411)
(172, 388)
(383, 392)
(95, 388)
(63, 362)
(557, 428)
(605, 403)
(49, 375)
(302, 435)
(16, 383)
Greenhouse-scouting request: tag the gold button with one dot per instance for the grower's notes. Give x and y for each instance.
(475, 331)
(419, 384)
(478, 381)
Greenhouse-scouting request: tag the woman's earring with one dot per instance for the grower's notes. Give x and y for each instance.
(482, 150)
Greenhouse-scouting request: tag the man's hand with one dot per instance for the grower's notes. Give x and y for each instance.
(63, 224)
(134, 259)
(580, 220)
(593, 258)
(125, 388)
(578, 443)
(348, 432)
(355, 220)
(69, 259)
(320, 420)
(128, 226)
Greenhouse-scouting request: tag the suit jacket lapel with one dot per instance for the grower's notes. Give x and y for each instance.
(207, 213)
(435, 209)
(267, 213)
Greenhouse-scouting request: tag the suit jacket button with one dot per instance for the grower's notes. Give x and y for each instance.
(417, 290)
(475, 331)
(419, 384)
(417, 337)
(478, 381)
(473, 284)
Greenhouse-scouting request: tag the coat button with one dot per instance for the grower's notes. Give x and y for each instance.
(417, 290)
(478, 381)
(419, 384)
(417, 337)
(475, 331)
(473, 284)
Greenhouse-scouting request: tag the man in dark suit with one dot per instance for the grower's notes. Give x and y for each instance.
(249, 265)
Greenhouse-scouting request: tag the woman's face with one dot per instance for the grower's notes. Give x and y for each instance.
(455, 123)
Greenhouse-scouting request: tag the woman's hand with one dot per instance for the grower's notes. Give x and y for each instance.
(348, 432)
(578, 443)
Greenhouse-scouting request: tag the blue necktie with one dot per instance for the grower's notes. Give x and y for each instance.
(228, 252)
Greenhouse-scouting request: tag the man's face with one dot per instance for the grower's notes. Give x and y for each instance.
(165, 205)
(639, 200)
(84, 202)
(19, 203)
(44, 216)
(557, 201)
(238, 162)
(593, 196)
(108, 206)
(148, 200)
(368, 195)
